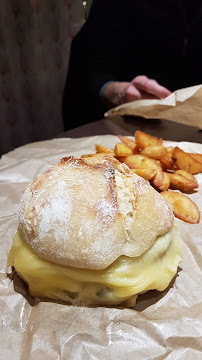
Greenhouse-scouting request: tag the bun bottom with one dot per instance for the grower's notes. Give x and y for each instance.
(120, 283)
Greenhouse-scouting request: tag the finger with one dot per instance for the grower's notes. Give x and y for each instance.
(134, 94)
(131, 94)
(150, 86)
(145, 95)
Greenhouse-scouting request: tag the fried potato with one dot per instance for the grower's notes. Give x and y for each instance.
(144, 140)
(183, 207)
(154, 151)
(89, 155)
(182, 183)
(167, 160)
(137, 161)
(197, 157)
(147, 174)
(188, 176)
(98, 155)
(103, 149)
(185, 161)
(165, 183)
(130, 143)
(164, 167)
(122, 150)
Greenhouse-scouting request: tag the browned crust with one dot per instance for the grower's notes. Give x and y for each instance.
(70, 214)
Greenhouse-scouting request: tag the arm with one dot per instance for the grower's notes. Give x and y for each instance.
(92, 64)
(108, 49)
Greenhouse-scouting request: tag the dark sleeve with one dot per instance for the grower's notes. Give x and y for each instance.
(94, 60)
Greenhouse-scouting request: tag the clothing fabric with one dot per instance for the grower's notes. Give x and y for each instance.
(123, 39)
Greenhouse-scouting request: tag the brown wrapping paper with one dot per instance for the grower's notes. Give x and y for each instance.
(162, 325)
(183, 106)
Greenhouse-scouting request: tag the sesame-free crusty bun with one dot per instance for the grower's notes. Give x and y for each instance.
(98, 226)
(86, 214)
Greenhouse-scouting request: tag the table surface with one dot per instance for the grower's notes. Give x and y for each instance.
(116, 125)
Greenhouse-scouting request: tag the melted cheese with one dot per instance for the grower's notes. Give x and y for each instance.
(121, 282)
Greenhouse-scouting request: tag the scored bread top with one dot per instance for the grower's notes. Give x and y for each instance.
(87, 212)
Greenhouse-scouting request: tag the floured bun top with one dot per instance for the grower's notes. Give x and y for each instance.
(85, 213)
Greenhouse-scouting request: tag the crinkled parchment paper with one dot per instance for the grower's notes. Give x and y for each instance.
(183, 106)
(162, 325)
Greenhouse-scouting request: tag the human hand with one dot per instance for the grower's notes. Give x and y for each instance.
(141, 87)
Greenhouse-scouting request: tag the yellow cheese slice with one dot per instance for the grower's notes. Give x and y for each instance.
(121, 281)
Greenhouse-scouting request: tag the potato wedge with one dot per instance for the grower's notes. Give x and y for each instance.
(97, 155)
(122, 150)
(197, 157)
(144, 140)
(103, 149)
(137, 161)
(130, 143)
(180, 182)
(147, 174)
(164, 167)
(154, 151)
(169, 148)
(89, 155)
(165, 183)
(188, 176)
(185, 161)
(167, 160)
(183, 207)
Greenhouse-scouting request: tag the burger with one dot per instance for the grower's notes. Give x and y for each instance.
(93, 232)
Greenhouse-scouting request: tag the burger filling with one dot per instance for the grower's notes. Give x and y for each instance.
(119, 283)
